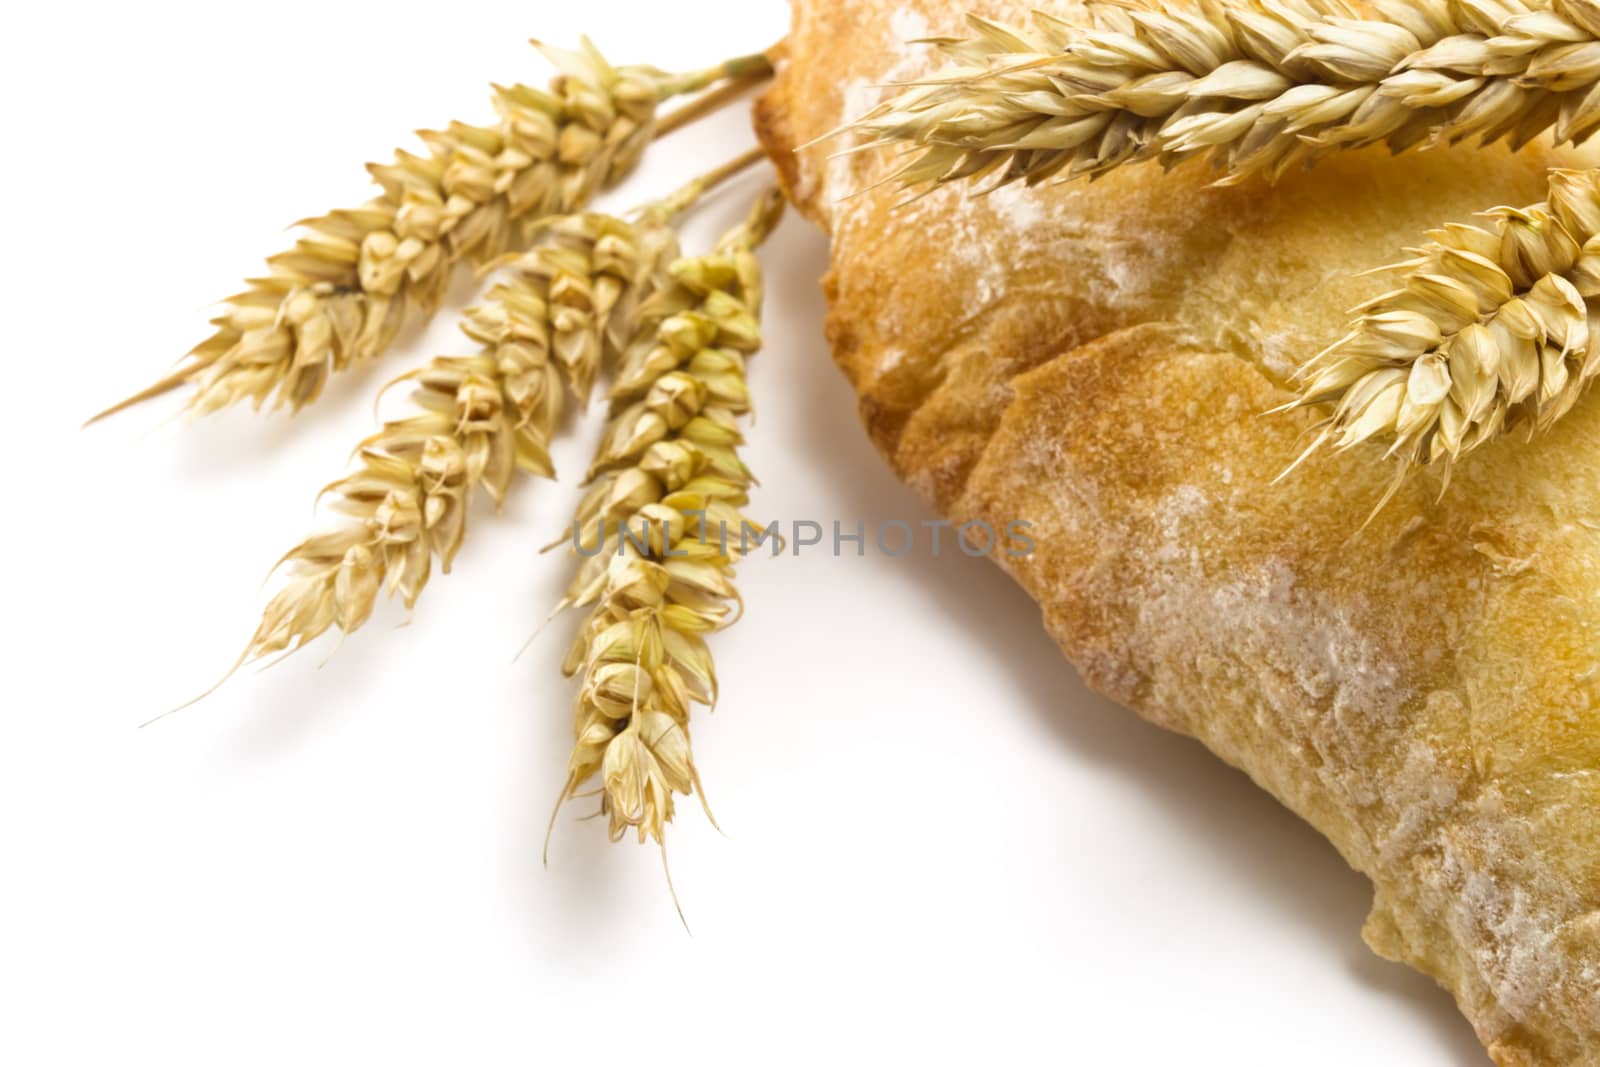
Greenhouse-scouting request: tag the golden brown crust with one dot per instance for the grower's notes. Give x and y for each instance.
(1097, 360)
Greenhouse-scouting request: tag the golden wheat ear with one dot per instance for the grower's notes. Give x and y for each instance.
(356, 277)
(1279, 85)
(660, 531)
(1490, 330)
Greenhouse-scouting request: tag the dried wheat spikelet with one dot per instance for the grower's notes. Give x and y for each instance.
(668, 485)
(1258, 86)
(1491, 331)
(475, 421)
(352, 281)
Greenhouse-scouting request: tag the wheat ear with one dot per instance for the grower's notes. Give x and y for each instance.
(352, 281)
(1259, 86)
(668, 483)
(1494, 328)
(474, 421)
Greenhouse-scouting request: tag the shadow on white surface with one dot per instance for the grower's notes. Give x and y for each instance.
(1278, 862)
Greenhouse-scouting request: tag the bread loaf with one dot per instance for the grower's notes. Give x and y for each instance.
(1099, 360)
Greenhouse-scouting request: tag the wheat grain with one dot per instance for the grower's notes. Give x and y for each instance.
(344, 291)
(474, 421)
(1490, 331)
(1259, 86)
(661, 529)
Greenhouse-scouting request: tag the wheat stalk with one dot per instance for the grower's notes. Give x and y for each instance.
(352, 281)
(1490, 331)
(661, 530)
(474, 421)
(1259, 86)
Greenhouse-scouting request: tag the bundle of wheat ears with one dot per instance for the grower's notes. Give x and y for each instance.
(1491, 327)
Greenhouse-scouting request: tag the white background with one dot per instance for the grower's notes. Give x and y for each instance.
(939, 845)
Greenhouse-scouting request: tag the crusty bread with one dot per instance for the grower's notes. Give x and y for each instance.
(1098, 360)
